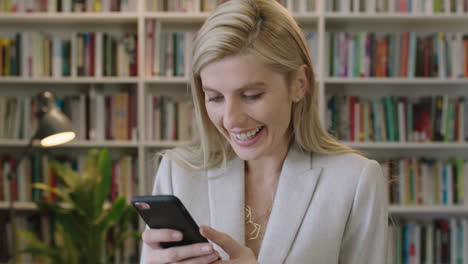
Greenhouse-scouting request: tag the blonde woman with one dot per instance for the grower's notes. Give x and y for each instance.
(265, 181)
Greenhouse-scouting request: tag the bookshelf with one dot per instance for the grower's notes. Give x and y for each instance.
(394, 17)
(431, 211)
(21, 206)
(393, 80)
(324, 17)
(70, 18)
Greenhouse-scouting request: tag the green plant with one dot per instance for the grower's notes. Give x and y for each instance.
(83, 219)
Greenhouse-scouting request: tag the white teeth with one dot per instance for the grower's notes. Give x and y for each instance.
(247, 135)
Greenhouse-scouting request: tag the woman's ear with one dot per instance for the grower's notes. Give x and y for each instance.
(301, 83)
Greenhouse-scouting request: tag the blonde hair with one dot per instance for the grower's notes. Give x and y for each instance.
(265, 29)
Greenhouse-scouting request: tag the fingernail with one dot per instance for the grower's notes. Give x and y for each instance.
(176, 235)
(206, 248)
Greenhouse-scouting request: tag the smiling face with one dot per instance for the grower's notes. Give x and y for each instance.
(249, 104)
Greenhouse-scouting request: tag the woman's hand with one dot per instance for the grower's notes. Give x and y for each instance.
(201, 253)
(238, 254)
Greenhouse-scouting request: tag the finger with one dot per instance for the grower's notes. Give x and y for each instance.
(220, 261)
(153, 237)
(201, 260)
(232, 248)
(175, 254)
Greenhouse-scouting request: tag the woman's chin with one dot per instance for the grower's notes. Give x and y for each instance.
(244, 154)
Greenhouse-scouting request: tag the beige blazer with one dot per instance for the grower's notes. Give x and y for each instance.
(328, 208)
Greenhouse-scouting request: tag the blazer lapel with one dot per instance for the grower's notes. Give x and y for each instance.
(293, 196)
(226, 196)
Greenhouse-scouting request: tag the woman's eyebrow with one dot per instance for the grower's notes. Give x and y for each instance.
(243, 87)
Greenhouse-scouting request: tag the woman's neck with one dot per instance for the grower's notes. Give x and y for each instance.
(263, 169)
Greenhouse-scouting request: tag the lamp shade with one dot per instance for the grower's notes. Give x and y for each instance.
(54, 127)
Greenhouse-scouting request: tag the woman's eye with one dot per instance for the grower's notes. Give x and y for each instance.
(215, 99)
(253, 96)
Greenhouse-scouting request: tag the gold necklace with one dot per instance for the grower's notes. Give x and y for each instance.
(257, 228)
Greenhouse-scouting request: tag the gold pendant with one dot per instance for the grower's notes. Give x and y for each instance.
(256, 227)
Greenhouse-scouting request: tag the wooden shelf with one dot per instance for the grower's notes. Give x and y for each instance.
(69, 80)
(101, 144)
(394, 17)
(408, 145)
(199, 18)
(18, 143)
(437, 210)
(177, 80)
(165, 144)
(412, 81)
(74, 144)
(167, 80)
(19, 206)
(177, 17)
(393, 209)
(307, 17)
(70, 18)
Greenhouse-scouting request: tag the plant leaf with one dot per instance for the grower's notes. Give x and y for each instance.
(76, 229)
(66, 176)
(113, 215)
(37, 247)
(47, 206)
(54, 190)
(105, 179)
(83, 197)
(90, 169)
(71, 254)
(91, 179)
(83, 223)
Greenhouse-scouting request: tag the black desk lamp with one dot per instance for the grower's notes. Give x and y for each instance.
(54, 129)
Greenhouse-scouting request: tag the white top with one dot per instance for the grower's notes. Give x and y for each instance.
(327, 209)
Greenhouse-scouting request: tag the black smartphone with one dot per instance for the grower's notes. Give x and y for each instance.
(167, 211)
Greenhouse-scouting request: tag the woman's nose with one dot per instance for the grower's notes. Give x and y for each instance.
(234, 115)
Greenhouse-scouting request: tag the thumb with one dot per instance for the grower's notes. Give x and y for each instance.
(227, 243)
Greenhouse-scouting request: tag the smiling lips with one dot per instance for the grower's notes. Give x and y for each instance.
(248, 138)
